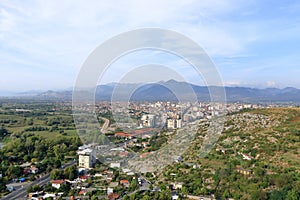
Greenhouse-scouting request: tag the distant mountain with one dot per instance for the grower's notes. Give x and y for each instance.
(162, 91)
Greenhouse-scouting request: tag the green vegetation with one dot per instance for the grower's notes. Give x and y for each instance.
(42, 134)
(257, 157)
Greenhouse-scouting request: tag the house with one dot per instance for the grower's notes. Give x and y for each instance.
(244, 171)
(143, 155)
(146, 136)
(113, 184)
(175, 196)
(83, 178)
(34, 169)
(124, 182)
(178, 185)
(115, 165)
(109, 179)
(110, 190)
(57, 183)
(123, 153)
(145, 144)
(81, 192)
(247, 157)
(26, 171)
(51, 196)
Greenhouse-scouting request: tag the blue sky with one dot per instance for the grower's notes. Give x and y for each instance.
(252, 43)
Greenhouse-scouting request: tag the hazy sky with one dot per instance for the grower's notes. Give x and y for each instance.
(252, 43)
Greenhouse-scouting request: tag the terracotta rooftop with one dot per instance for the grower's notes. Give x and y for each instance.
(57, 181)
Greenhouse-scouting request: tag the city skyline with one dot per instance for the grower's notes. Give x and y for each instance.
(253, 44)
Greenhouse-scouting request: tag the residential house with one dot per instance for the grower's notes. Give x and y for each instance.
(57, 183)
(124, 182)
(244, 171)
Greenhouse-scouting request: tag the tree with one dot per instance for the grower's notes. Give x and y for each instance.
(132, 196)
(70, 173)
(293, 195)
(94, 197)
(146, 197)
(64, 188)
(277, 195)
(163, 187)
(14, 171)
(57, 164)
(29, 145)
(125, 197)
(56, 174)
(29, 189)
(184, 191)
(3, 131)
(2, 185)
(151, 187)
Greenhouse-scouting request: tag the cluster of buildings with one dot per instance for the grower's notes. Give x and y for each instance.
(170, 115)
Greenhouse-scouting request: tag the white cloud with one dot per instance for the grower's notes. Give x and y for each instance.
(57, 36)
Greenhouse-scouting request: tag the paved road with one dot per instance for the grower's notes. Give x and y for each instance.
(105, 125)
(20, 193)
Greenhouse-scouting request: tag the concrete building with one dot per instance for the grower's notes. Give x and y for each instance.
(174, 123)
(87, 158)
(148, 120)
(171, 123)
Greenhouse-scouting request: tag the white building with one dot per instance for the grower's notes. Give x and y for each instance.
(87, 158)
(57, 183)
(115, 165)
(148, 120)
(174, 123)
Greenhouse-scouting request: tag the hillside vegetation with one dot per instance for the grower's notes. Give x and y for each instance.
(256, 157)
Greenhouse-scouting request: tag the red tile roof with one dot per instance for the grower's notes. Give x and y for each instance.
(143, 155)
(124, 181)
(122, 134)
(83, 177)
(57, 181)
(81, 192)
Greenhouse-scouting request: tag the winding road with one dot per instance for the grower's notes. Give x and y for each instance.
(105, 125)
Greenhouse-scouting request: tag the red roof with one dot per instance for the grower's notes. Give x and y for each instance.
(143, 155)
(81, 192)
(57, 181)
(122, 134)
(83, 177)
(123, 153)
(124, 181)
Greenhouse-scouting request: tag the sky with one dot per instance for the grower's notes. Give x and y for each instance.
(43, 44)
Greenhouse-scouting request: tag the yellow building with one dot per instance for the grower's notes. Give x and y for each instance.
(244, 171)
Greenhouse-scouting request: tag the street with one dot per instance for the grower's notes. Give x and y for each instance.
(20, 192)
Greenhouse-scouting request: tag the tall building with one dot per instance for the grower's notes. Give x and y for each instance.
(148, 120)
(87, 158)
(178, 123)
(174, 123)
(171, 123)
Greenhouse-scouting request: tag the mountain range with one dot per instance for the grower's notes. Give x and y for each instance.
(162, 91)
